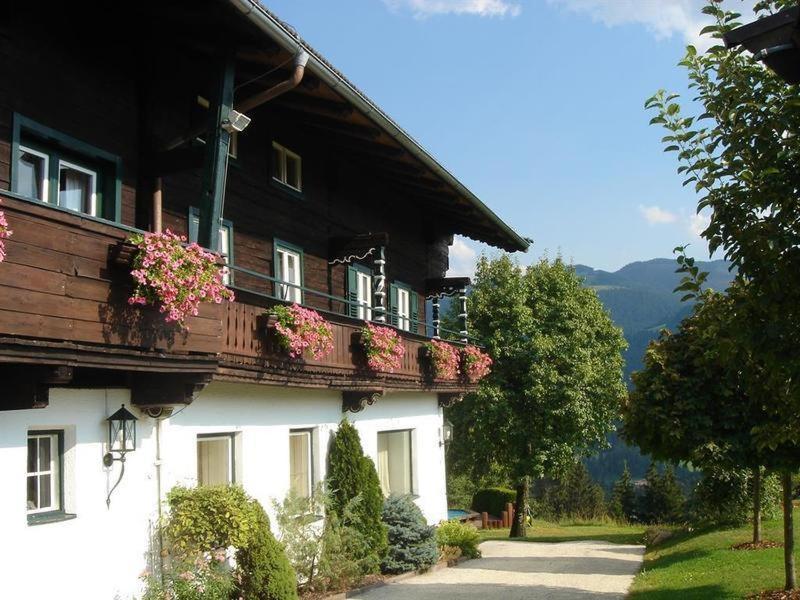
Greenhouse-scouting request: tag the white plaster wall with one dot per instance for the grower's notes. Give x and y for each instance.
(100, 554)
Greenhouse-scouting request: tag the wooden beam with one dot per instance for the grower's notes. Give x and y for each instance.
(312, 104)
(374, 148)
(351, 130)
(158, 390)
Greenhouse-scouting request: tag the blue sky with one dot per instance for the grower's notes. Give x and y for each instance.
(536, 105)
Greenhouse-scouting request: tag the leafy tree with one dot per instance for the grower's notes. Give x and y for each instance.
(724, 497)
(556, 382)
(623, 497)
(740, 150)
(350, 474)
(663, 500)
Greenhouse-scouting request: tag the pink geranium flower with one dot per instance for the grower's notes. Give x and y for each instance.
(476, 364)
(303, 330)
(174, 277)
(5, 233)
(445, 359)
(384, 348)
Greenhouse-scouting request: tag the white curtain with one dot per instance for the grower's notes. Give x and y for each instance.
(214, 461)
(300, 463)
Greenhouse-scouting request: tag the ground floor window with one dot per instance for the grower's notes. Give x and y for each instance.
(394, 462)
(215, 459)
(44, 483)
(301, 471)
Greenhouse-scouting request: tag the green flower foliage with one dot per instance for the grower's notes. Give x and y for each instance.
(453, 534)
(412, 542)
(351, 474)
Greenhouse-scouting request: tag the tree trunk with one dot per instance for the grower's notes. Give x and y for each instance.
(757, 505)
(518, 526)
(788, 531)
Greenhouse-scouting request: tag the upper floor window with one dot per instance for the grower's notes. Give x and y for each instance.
(62, 171)
(215, 459)
(403, 307)
(359, 291)
(394, 462)
(287, 167)
(44, 474)
(289, 269)
(225, 241)
(301, 472)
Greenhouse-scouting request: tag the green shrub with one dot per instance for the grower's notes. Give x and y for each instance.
(460, 535)
(352, 474)
(302, 535)
(204, 577)
(204, 519)
(412, 542)
(493, 500)
(724, 498)
(346, 551)
(265, 571)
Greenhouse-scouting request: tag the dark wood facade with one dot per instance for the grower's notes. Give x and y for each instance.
(123, 98)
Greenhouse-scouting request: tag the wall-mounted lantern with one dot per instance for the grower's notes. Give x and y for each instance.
(447, 433)
(121, 440)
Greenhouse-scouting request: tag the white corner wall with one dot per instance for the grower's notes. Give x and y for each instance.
(101, 553)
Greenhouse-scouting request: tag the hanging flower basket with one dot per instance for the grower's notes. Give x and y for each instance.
(444, 358)
(175, 277)
(475, 363)
(384, 348)
(301, 331)
(5, 233)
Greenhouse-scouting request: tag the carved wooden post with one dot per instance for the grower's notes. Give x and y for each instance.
(462, 314)
(435, 316)
(379, 285)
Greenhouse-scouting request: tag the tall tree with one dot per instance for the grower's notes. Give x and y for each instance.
(740, 149)
(556, 382)
(623, 497)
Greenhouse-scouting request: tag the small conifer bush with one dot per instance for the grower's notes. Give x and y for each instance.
(412, 542)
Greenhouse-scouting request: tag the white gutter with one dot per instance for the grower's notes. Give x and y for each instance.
(289, 41)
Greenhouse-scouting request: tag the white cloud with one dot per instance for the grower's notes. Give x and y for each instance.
(463, 258)
(655, 215)
(482, 8)
(662, 18)
(698, 223)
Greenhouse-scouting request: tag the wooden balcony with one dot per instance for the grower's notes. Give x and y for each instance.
(63, 302)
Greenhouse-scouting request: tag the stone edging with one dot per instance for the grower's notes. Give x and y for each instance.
(397, 578)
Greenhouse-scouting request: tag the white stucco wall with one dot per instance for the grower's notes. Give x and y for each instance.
(101, 552)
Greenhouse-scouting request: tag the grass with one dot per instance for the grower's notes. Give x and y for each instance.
(542, 531)
(701, 565)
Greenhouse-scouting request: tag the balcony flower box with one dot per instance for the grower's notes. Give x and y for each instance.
(173, 276)
(301, 331)
(443, 358)
(383, 347)
(475, 363)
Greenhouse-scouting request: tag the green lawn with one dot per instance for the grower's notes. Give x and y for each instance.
(698, 565)
(701, 565)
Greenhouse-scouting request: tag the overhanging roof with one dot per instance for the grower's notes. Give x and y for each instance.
(500, 234)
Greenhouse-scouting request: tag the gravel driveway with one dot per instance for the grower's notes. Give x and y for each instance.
(527, 570)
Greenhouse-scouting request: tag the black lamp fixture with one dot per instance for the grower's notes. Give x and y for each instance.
(447, 433)
(121, 440)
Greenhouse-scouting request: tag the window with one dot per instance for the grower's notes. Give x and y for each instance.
(286, 167)
(289, 268)
(359, 290)
(225, 241)
(33, 173)
(60, 170)
(44, 476)
(215, 463)
(403, 307)
(301, 472)
(394, 462)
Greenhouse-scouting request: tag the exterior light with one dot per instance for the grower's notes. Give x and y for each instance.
(236, 121)
(447, 433)
(121, 440)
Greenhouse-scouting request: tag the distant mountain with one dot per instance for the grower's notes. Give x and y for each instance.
(641, 301)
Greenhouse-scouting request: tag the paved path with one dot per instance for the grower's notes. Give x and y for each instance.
(527, 571)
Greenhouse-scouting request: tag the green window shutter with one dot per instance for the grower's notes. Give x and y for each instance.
(194, 223)
(393, 308)
(414, 310)
(352, 291)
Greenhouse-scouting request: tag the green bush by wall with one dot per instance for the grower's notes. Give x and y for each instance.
(493, 500)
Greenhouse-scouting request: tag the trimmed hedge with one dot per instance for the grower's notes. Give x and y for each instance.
(493, 500)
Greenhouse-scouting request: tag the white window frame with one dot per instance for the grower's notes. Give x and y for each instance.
(403, 309)
(45, 183)
(225, 244)
(309, 435)
(289, 293)
(93, 174)
(279, 170)
(213, 437)
(54, 472)
(410, 433)
(364, 295)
